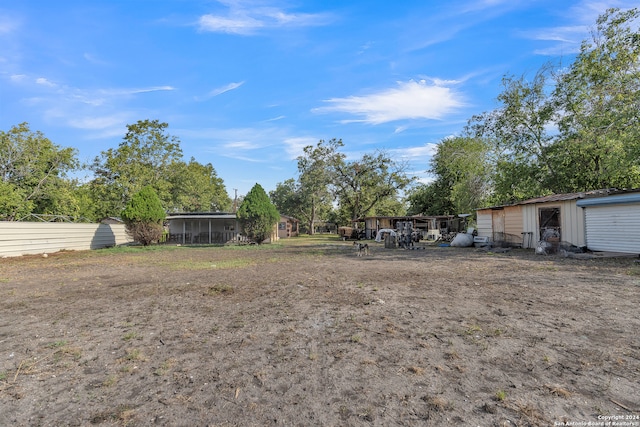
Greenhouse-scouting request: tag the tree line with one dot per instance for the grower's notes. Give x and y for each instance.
(569, 128)
(36, 176)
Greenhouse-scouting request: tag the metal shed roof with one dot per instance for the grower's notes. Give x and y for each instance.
(202, 215)
(611, 200)
(584, 195)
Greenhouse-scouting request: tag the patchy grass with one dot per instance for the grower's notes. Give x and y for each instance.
(219, 289)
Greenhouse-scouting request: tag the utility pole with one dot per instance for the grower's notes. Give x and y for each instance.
(235, 201)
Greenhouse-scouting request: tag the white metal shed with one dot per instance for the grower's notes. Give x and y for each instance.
(613, 223)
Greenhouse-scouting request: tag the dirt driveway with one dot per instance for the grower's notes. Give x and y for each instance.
(307, 333)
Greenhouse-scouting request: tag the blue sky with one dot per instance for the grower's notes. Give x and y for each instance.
(246, 84)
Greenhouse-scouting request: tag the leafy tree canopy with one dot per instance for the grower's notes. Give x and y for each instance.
(33, 173)
(146, 156)
(257, 215)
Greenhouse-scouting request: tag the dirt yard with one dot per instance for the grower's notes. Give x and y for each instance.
(306, 333)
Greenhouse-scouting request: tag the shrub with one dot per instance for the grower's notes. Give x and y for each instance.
(257, 215)
(143, 216)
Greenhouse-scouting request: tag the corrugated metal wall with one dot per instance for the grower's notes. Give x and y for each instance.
(571, 221)
(484, 223)
(24, 238)
(613, 228)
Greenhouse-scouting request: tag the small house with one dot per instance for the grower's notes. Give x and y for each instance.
(202, 227)
(288, 227)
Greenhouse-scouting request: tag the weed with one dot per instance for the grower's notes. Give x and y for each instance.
(110, 381)
(135, 355)
(313, 356)
(355, 338)
(74, 352)
(165, 367)
(558, 391)
(57, 344)
(129, 336)
(500, 395)
(3, 376)
(416, 370)
(437, 403)
(473, 329)
(220, 289)
(452, 355)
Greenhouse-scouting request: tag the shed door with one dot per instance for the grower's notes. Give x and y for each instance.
(549, 220)
(497, 222)
(613, 228)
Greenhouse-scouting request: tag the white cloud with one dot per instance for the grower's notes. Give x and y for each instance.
(245, 18)
(44, 82)
(7, 24)
(18, 78)
(295, 146)
(220, 91)
(421, 152)
(99, 123)
(582, 19)
(242, 145)
(232, 25)
(412, 100)
(275, 119)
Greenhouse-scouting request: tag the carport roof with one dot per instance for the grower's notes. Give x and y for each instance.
(201, 215)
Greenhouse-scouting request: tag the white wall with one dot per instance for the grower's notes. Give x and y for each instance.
(24, 238)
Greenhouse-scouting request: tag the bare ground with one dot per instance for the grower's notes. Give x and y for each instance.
(309, 334)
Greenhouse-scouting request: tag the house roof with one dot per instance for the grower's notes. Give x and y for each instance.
(201, 215)
(290, 218)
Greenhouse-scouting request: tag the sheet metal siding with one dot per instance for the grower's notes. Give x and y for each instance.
(613, 228)
(513, 220)
(484, 223)
(571, 221)
(25, 238)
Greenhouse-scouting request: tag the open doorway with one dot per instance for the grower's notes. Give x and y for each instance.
(549, 220)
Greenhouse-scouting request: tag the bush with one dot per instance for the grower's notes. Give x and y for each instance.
(257, 215)
(143, 217)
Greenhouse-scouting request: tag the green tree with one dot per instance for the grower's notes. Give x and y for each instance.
(146, 156)
(599, 97)
(197, 188)
(143, 216)
(33, 174)
(257, 215)
(363, 184)
(462, 182)
(461, 163)
(314, 179)
(286, 198)
(433, 198)
(518, 138)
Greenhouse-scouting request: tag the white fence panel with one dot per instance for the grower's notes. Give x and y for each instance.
(25, 238)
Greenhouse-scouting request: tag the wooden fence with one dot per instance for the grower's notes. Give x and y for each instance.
(28, 238)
